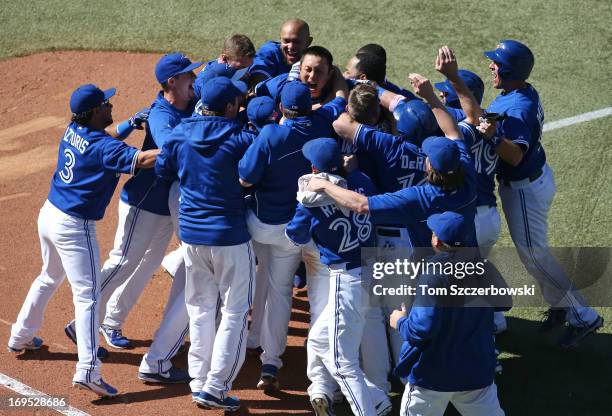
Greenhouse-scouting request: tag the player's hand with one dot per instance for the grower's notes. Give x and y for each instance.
(396, 315)
(350, 163)
(316, 185)
(421, 85)
(487, 128)
(446, 63)
(139, 118)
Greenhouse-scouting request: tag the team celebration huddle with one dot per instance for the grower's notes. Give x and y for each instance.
(275, 169)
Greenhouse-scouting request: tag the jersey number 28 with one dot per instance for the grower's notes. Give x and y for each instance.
(364, 229)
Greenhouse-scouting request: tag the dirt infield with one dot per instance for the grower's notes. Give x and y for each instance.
(34, 108)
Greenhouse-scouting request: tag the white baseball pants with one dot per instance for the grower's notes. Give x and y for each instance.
(216, 356)
(69, 248)
(526, 205)
(335, 338)
(418, 401)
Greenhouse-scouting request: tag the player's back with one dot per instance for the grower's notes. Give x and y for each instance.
(340, 237)
(269, 61)
(88, 168)
(212, 209)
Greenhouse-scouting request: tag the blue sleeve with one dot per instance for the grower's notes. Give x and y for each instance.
(420, 326)
(272, 87)
(456, 113)
(161, 123)
(515, 128)
(332, 110)
(299, 228)
(252, 166)
(403, 206)
(166, 166)
(118, 156)
(378, 143)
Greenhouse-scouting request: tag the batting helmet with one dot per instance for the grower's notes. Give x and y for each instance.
(515, 60)
(415, 120)
(472, 81)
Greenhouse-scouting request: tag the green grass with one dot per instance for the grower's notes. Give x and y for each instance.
(571, 41)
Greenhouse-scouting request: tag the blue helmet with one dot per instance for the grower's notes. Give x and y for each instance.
(415, 120)
(515, 60)
(472, 81)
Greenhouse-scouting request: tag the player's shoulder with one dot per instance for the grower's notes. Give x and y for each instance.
(358, 179)
(270, 48)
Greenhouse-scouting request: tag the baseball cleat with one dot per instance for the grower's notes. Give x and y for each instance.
(322, 406)
(114, 338)
(552, 319)
(384, 408)
(71, 334)
(574, 334)
(172, 376)
(268, 381)
(208, 401)
(34, 344)
(99, 387)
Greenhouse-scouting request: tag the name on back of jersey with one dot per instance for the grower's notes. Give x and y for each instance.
(76, 141)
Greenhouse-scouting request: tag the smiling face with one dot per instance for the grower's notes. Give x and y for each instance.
(316, 73)
(495, 78)
(294, 39)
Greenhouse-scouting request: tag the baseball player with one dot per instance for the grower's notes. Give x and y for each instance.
(89, 161)
(272, 165)
(527, 188)
(203, 151)
(316, 70)
(335, 337)
(487, 220)
(144, 231)
(398, 164)
(275, 58)
(448, 354)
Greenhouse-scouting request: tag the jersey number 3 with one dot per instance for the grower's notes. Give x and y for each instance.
(66, 174)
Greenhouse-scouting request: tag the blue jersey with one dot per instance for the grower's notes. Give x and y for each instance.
(269, 61)
(204, 152)
(88, 166)
(485, 163)
(144, 190)
(274, 162)
(417, 203)
(447, 348)
(399, 164)
(523, 125)
(338, 237)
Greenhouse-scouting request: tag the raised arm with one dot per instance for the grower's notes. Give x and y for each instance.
(447, 123)
(446, 64)
(346, 127)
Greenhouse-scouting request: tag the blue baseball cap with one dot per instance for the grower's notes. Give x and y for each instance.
(295, 96)
(443, 154)
(88, 97)
(215, 69)
(472, 81)
(324, 154)
(173, 64)
(450, 227)
(218, 92)
(260, 111)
